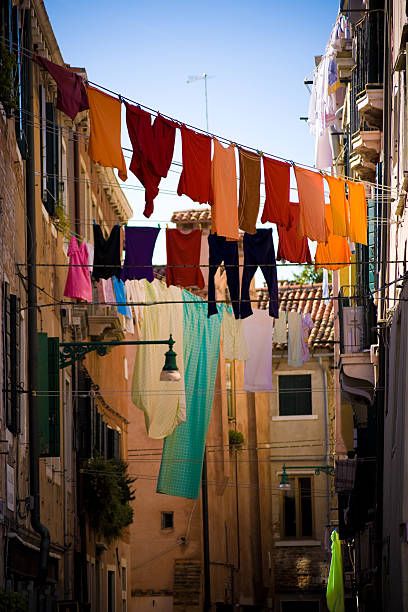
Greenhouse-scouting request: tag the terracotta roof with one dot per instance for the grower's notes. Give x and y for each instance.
(305, 298)
(193, 215)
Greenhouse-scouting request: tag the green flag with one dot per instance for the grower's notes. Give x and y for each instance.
(335, 586)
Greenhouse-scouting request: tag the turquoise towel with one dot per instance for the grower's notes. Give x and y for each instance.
(183, 451)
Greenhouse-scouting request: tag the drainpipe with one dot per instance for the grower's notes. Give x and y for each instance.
(33, 349)
(327, 433)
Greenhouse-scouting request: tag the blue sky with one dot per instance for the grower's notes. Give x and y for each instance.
(258, 52)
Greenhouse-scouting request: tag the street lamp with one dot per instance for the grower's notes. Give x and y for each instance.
(70, 352)
(284, 484)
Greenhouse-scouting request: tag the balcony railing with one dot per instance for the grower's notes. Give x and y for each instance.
(357, 320)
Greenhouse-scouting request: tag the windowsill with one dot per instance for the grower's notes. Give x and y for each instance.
(282, 543)
(296, 417)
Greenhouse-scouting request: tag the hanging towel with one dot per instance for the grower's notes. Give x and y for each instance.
(104, 140)
(277, 189)
(335, 584)
(163, 403)
(195, 179)
(106, 295)
(259, 251)
(204, 258)
(153, 147)
(136, 293)
(106, 253)
(339, 205)
(311, 202)
(258, 331)
(233, 337)
(280, 332)
(325, 287)
(224, 251)
(358, 212)
(292, 247)
(224, 212)
(121, 299)
(183, 451)
(295, 339)
(335, 254)
(249, 190)
(71, 92)
(78, 284)
(307, 326)
(183, 249)
(139, 247)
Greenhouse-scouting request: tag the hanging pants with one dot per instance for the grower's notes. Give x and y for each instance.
(259, 251)
(223, 250)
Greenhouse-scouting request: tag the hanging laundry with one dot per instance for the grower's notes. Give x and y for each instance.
(106, 253)
(299, 328)
(335, 582)
(335, 253)
(292, 247)
(358, 212)
(71, 91)
(280, 331)
(91, 251)
(249, 190)
(120, 296)
(224, 212)
(258, 331)
(224, 251)
(311, 204)
(204, 258)
(163, 403)
(195, 179)
(106, 295)
(104, 140)
(136, 295)
(234, 342)
(139, 247)
(339, 205)
(183, 451)
(259, 251)
(183, 258)
(153, 147)
(325, 287)
(78, 284)
(277, 189)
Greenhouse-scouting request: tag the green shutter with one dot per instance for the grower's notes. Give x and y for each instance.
(42, 397)
(54, 398)
(48, 396)
(372, 243)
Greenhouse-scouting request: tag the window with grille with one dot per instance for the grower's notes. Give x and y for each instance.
(295, 394)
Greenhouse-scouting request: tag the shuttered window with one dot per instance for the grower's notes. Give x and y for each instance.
(11, 358)
(295, 394)
(48, 396)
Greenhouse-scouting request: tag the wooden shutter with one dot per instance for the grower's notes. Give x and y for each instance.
(54, 397)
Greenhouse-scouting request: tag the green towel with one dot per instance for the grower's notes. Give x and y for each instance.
(183, 450)
(335, 586)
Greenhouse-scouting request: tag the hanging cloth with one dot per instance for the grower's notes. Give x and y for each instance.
(106, 253)
(224, 251)
(335, 583)
(120, 295)
(104, 140)
(71, 92)
(224, 212)
(183, 451)
(78, 284)
(139, 247)
(280, 332)
(183, 258)
(136, 294)
(259, 251)
(249, 190)
(234, 343)
(277, 189)
(335, 254)
(339, 205)
(153, 147)
(292, 247)
(163, 403)
(195, 179)
(106, 295)
(358, 212)
(258, 331)
(299, 328)
(311, 202)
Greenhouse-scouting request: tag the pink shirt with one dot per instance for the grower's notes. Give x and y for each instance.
(78, 284)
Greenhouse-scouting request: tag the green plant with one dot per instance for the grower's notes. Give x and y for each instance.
(8, 84)
(309, 275)
(107, 495)
(235, 438)
(61, 220)
(13, 602)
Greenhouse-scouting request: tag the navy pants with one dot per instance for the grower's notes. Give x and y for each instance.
(259, 251)
(223, 250)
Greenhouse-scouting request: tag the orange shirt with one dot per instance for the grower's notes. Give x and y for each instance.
(339, 205)
(335, 254)
(224, 212)
(311, 202)
(104, 141)
(358, 212)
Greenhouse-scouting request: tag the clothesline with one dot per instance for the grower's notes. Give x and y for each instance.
(28, 53)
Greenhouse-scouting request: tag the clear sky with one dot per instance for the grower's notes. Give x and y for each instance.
(258, 53)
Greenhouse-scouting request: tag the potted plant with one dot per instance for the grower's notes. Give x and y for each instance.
(236, 439)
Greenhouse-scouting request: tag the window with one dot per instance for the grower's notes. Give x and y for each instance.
(167, 520)
(111, 591)
(295, 394)
(50, 143)
(11, 359)
(113, 444)
(297, 509)
(230, 387)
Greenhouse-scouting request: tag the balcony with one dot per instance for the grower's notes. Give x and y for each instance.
(357, 322)
(94, 321)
